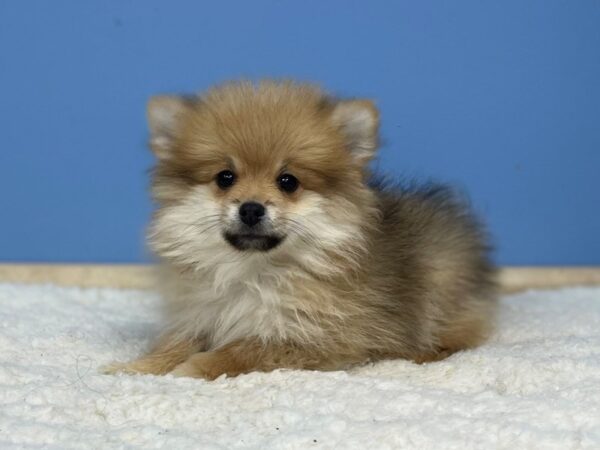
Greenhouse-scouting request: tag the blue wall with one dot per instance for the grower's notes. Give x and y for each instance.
(501, 97)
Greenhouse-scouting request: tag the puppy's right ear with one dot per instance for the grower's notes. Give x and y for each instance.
(358, 120)
(165, 117)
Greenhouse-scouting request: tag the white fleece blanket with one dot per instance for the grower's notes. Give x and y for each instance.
(536, 384)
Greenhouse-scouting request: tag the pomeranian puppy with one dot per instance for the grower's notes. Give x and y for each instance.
(279, 251)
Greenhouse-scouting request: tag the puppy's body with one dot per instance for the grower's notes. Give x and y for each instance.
(277, 253)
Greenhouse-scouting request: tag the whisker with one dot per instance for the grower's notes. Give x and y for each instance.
(304, 233)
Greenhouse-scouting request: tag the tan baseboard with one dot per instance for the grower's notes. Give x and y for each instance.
(130, 276)
(512, 279)
(515, 279)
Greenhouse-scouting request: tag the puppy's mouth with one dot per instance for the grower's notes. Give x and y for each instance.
(253, 241)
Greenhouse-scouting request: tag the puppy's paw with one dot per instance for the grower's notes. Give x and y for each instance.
(188, 370)
(113, 368)
(183, 370)
(200, 365)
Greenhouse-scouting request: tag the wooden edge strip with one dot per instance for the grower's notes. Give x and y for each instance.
(124, 276)
(516, 279)
(512, 279)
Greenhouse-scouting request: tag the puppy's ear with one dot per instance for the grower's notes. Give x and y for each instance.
(165, 117)
(359, 122)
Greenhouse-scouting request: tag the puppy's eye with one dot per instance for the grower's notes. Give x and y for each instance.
(225, 179)
(288, 183)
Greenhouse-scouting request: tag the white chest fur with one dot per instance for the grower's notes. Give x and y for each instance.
(236, 302)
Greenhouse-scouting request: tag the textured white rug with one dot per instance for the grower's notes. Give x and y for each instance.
(535, 385)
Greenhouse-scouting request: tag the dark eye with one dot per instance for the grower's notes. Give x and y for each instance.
(288, 183)
(225, 179)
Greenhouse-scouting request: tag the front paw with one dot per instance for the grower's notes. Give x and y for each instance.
(184, 370)
(190, 370)
(200, 365)
(115, 368)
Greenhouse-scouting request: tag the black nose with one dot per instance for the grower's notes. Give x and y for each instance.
(251, 213)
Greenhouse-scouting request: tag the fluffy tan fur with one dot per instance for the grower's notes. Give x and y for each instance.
(363, 272)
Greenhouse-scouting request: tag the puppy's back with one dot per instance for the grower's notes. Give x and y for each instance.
(431, 260)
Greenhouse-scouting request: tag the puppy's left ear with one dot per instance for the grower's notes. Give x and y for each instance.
(358, 120)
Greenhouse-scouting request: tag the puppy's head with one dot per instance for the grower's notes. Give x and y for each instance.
(274, 168)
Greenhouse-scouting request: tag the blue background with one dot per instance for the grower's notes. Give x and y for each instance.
(500, 97)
